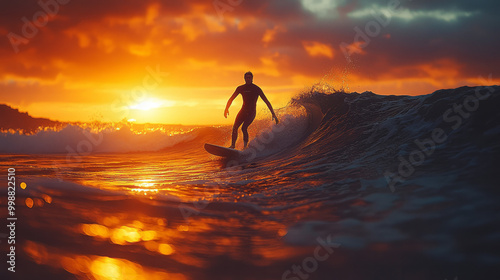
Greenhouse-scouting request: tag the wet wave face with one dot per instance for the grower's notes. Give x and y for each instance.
(347, 186)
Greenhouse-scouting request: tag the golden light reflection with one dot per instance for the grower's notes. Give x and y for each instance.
(146, 185)
(165, 249)
(141, 191)
(38, 202)
(29, 202)
(153, 235)
(138, 224)
(47, 198)
(132, 233)
(183, 228)
(98, 267)
(108, 268)
(125, 234)
(162, 248)
(105, 268)
(148, 235)
(95, 230)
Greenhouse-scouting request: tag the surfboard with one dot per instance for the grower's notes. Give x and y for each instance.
(222, 151)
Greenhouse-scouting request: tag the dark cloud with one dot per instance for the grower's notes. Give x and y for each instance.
(86, 35)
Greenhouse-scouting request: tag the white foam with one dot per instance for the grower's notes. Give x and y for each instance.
(76, 139)
(275, 138)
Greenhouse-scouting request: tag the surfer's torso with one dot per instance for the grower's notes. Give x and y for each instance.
(250, 93)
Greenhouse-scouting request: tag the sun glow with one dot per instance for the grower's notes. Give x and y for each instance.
(149, 105)
(146, 105)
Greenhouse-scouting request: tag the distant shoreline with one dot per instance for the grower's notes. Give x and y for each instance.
(13, 119)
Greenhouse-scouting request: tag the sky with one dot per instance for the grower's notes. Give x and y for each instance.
(178, 62)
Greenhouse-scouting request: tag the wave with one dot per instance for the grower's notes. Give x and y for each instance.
(348, 128)
(297, 121)
(82, 140)
(394, 137)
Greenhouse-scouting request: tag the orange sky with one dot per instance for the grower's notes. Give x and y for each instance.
(179, 61)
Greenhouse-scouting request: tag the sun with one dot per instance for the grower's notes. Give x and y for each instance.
(152, 103)
(146, 105)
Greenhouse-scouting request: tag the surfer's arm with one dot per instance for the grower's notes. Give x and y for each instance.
(263, 96)
(226, 111)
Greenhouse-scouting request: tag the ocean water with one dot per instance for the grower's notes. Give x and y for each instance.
(347, 186)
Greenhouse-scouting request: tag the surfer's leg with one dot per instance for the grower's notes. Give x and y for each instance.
(237, 123)
(248, 120)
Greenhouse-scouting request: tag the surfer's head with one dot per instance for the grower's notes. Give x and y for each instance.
(248, 77)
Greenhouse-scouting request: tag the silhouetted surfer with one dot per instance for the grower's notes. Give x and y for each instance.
(250, 93)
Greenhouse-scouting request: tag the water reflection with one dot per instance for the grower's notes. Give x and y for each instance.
(98, 267)
(128, 234)
(95, 228)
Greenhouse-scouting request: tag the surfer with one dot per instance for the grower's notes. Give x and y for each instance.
(250, 93)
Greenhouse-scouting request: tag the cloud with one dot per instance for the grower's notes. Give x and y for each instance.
(318, 49)
(323, 8)
(95, 47)
(410, 15)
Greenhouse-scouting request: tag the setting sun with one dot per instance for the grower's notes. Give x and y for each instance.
(195, 54)
(147, 105)
(240, 139)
